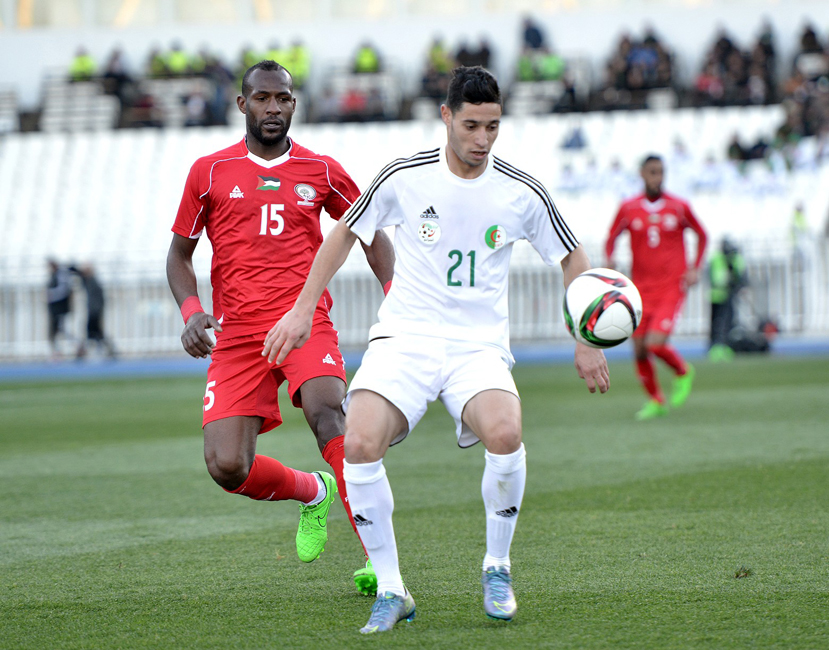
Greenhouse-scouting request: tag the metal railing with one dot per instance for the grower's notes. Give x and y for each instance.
(142, 319)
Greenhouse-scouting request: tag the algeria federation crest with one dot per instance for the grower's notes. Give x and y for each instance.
(428, 232)
(495, 237)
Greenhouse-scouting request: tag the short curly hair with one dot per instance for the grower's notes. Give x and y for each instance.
(473, 84)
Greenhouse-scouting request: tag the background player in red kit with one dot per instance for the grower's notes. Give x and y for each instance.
(259, 202)
(656, 222)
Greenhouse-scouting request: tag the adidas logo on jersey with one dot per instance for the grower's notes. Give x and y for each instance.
(359, 520)
(327, 359)
(512, 511)
(429, 213)
(236, 193)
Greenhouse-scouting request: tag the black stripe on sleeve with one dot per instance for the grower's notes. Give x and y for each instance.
(360, 205)
(562, 230)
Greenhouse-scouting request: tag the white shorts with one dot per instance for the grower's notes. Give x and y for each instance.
(411, 371)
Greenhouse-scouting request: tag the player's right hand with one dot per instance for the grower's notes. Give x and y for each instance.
(289, 333)
(195, 339)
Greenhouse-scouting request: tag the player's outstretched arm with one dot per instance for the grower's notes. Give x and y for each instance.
(590, 362)
(182, 279)
(294, 328)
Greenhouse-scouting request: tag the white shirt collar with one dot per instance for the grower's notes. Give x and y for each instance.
(271, 163)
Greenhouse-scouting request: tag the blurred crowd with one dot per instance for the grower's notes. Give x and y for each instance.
(731, 74)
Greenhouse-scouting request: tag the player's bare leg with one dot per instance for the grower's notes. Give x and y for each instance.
(322, 399)
(230, 454)
(495, 417)
(372, 422)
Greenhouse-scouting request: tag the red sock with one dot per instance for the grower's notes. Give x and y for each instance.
(669, 355)
(270, 480)
(647, 377)
(334, 454)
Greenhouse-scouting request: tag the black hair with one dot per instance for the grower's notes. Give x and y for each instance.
(270, 66)
(473, 84)
(650, 158)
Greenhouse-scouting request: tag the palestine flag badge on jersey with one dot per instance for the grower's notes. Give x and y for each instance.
(268, 183)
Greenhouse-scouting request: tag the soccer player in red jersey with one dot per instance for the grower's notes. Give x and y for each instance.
(657, 222)
(259, 203)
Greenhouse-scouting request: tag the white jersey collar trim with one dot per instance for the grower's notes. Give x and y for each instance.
(653, 206)
(271, 163)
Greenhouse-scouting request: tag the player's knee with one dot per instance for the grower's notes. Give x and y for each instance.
(505, 439)
(228, 471)
(362, 448)
(327, 423)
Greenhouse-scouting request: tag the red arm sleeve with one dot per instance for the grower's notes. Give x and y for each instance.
(616, 228)
(344, 190)
(702, 238)
(192, 211)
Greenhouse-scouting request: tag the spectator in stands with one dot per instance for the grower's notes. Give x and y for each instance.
(224, 92)
(635, 67)
(526, 65)
(94, 312)
(434, 84)
(469, 57)
(276, 53)
(298, 62)
(437, 70)
(549, 65)
(177, 61)
(247, 58)
(709, 86)
(83, 66)
(58, 301)
(117, 79)
(353, 105)
(533, 37)
(367, 59)
(156, 67)
(809, 41)
(439, 57)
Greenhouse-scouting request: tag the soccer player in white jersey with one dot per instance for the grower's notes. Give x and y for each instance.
(443, 328)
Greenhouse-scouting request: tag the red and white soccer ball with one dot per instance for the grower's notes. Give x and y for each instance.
(602, 308)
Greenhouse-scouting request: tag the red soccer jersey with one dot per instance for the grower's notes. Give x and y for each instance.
(263, 221)
(656, 240)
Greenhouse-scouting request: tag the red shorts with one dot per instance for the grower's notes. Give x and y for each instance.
(240, 381)
(660, 312)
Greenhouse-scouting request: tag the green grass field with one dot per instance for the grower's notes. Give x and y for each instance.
(707, 529)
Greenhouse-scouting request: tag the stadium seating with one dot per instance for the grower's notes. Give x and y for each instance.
(112, 194)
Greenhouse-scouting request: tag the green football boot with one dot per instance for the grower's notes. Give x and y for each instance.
(366, 580)
(682, 387)
(313, 532)
(652, 409)
(388, 609)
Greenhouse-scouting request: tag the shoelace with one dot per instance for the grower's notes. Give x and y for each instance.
(381, 606)
(499, 582)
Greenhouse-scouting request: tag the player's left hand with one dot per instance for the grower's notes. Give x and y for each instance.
(691, 277)
(592, 367)
(289, 333)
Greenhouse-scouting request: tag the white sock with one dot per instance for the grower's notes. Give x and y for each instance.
(503, 489)
(322, 491)
(372, 505)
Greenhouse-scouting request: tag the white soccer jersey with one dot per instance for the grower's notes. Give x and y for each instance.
(453, 241)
